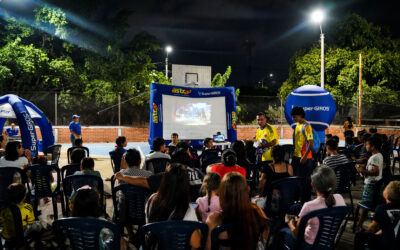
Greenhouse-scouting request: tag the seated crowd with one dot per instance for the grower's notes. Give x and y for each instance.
(222, 194)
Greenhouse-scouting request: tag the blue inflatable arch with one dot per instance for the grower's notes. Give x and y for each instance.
(12, 106)
(158, 112)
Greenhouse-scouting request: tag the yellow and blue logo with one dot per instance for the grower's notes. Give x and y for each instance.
(234, 120)
(181, 91)
(155, 113)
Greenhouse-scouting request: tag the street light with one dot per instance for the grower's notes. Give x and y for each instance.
(317, 16)
(168, 49)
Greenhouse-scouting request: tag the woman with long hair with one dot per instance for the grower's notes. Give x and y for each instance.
(277, 170)
(15, 156)
(249, 224)
(240, 150)
(172, 200)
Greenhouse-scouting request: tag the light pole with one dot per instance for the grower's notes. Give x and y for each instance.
(168, 49)
(317, 16)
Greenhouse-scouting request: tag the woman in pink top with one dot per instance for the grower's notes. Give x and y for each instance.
(323, 180)
(210, 203)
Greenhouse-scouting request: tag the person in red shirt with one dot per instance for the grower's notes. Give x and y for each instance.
(228, 164)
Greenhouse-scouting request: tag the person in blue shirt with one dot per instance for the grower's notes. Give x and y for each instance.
(75, 129)
(12, 131)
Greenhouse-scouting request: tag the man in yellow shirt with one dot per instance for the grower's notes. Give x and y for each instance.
(302, 161)
(268, 133)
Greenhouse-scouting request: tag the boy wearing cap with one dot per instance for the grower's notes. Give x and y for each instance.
(75, 129)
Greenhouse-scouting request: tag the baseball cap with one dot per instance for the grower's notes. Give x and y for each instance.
(75, 116)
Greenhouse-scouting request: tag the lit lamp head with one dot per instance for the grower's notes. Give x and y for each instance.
(317, 16)
(168, 49)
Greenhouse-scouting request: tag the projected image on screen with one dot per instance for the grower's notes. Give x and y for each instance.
(193, 118)
(198, 113)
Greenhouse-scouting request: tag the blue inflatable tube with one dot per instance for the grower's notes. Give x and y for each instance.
(26, 123)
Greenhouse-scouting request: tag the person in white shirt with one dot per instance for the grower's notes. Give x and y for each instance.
(372, 173)
(15, 156)
(174, 139)
(160, 151)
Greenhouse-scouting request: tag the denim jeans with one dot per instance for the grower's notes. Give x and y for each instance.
(285, 237)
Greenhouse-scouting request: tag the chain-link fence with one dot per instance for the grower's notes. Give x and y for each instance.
(60, 108)
(373, 112)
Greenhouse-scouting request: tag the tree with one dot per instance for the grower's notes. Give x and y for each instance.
(381, 71)
(220, 80)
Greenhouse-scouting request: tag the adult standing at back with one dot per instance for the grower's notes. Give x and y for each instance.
(75, 129)
(268, 135)
(13, 131)
(348, 127)
(302, 160)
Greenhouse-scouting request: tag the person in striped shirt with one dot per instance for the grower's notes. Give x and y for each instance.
(334, 159)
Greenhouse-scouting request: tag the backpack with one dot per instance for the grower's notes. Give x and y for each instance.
(316, 139)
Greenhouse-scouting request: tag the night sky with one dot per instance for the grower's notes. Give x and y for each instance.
(214, 32)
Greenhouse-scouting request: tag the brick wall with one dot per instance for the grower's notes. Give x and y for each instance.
(108, 134)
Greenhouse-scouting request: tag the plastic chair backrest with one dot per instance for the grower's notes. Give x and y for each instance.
(193, 152)
(208, 162)
(159, 164)
(135, 202)
(343, 173)
(289, 151)
(215, 241)
(115, 157)
(69, 169)
(18, 232)
(173, 234)
(69, 152)
(171, 149)
(74, 182)
(290, 191)
(330, 221)
(41, 177)
(84, 233)
(55, 151)
(7, 178)
(210, 153)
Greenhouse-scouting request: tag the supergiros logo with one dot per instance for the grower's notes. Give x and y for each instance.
(234, 120)
(155, 113)
(181, 91)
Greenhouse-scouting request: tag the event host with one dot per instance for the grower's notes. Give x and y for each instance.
(75, 129)
(302, 160)
(268, 133)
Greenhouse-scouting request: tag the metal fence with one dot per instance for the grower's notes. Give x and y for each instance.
(128, 112)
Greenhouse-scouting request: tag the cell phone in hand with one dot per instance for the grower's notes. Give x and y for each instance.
(289, 217)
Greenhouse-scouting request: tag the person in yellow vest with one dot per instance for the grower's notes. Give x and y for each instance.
(302, 161)
(267, 137)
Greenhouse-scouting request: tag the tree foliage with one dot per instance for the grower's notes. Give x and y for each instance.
(354, 36)
(54, 52)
